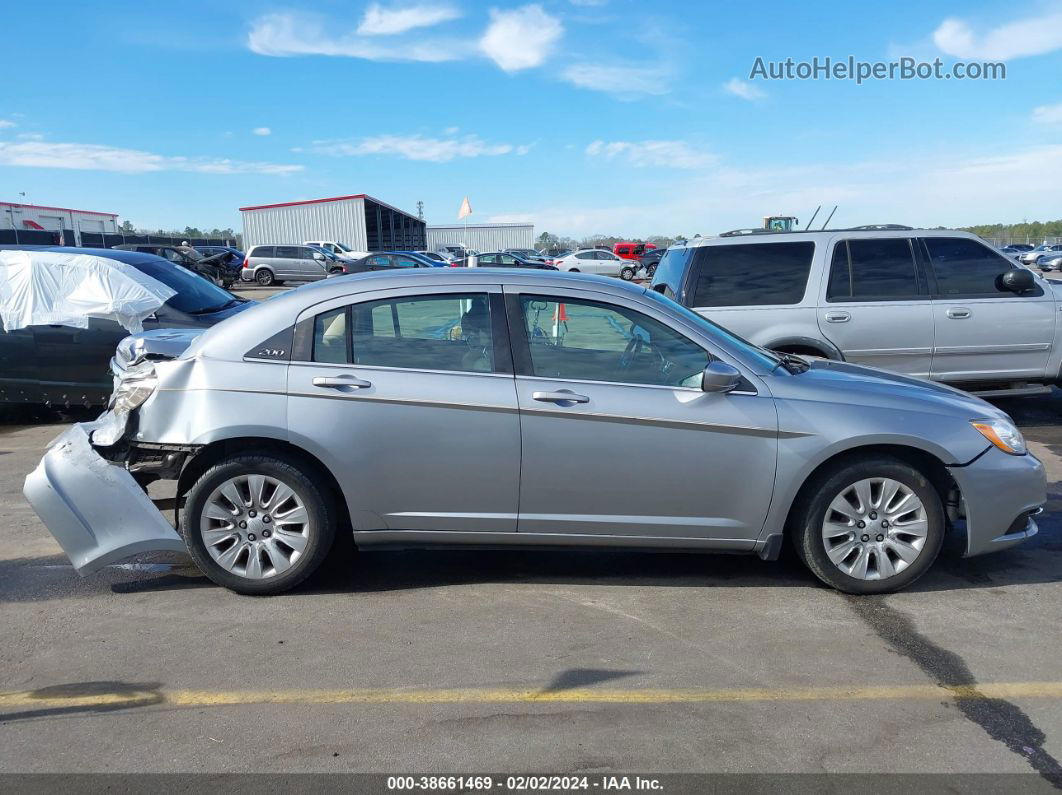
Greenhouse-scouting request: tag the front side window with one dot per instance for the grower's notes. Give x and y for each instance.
(431, 332)
(965, 267)
(592, 341)
(757, 274)
(873, 270)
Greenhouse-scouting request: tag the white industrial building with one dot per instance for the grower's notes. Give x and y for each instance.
(40, 218)
(482, 237)
(359, 222)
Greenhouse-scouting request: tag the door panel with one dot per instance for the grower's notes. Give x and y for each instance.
(633, 459)
(73, 364)
(413, 449)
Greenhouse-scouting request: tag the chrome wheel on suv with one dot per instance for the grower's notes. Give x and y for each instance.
(874, 528)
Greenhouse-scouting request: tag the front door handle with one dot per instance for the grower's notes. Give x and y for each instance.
(958, 313)
(339, 381)
(838, 317)
(563, 397)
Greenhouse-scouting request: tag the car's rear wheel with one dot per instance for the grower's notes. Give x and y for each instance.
(257, 524)
(627, 273)
(869, 525)
(264, 277)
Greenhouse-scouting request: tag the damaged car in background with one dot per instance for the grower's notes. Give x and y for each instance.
(64, 310)
(491, 407)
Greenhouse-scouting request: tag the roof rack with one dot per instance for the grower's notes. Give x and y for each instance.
(878, 228)
(864, 228)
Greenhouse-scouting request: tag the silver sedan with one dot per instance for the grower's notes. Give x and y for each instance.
(500, 407)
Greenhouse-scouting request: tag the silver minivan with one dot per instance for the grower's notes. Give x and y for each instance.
(933, 303)
(503, 407)
(268, 265)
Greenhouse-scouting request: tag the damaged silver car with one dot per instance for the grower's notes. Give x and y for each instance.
(493, 408)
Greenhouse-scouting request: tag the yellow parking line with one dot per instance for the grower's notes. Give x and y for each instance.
(67, 697)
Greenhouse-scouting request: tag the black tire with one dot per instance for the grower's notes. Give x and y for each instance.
(573, 270)
(264, 277)
(650, 271)
(810, 513)
(319, 508)
(627, 273)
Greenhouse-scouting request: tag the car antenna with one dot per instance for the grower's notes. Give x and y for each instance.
(814, 215)
(830, 217)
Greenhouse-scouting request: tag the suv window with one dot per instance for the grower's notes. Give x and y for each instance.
(592, 341)
(305, 252)
(751, 274)
(427, 332)
(966, 267)
(288, 252)
(263, 251)
(669, 272)
(880, 269)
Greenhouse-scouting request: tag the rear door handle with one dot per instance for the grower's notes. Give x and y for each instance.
(561, 396)
(339, 381)
(958, 312)
(838, 317)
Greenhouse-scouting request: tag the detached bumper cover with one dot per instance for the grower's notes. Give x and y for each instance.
(95, 509)
(998, 489)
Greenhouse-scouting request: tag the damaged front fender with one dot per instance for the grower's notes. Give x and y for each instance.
(95, 509)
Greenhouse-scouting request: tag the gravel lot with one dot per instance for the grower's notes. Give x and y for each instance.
(470, 661)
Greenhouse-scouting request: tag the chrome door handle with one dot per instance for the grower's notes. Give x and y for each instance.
(561, 396)
(337, 382)
(958, 312)
(838, 317)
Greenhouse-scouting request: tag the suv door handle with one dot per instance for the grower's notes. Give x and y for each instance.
(561, 397)
(838, 317)
(958, 312)
(336, 382)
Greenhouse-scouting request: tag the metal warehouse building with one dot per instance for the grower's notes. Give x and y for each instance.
(63, 220)
(359, 222)
(482, 237)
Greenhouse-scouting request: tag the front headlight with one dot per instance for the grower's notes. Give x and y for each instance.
(1003, 434)
(131, 388)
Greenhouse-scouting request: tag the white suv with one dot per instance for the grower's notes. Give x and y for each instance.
(936, 304)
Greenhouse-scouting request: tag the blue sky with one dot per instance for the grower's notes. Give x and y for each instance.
(588, 116)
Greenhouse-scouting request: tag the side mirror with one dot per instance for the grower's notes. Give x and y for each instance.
(720, 377)
(1018, 280)
(317, 255)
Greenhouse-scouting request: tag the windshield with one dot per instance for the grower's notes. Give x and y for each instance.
(766, 357)
(195, 295)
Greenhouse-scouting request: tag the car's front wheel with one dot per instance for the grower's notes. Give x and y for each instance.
(869, 525)
(257, 524)
(627, 273)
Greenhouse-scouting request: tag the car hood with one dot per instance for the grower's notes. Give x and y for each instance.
(841, 382)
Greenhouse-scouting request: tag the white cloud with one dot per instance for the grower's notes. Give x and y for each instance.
(588, 3)
(621, 80)
(262, 131)
(4, 123)
(93, 157)
(520, 38)
(744, 89)
(669, 154)
(417, 147)
(380, 21)
(1048, 114)
(1022, 37)
(290, 34)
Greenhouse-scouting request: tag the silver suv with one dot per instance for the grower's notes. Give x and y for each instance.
(451, 406)
(270, 265)
(936, 304)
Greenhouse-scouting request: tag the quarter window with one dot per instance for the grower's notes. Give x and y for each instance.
(965, 267)
(873, 270)
(591, 341)
(432, 332)
(751, 274)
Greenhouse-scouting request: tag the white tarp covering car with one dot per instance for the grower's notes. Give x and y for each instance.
(39, 288)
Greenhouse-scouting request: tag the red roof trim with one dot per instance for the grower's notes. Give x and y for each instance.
(63, 209)
(308, 201)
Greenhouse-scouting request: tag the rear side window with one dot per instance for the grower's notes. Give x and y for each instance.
(669, 272)
(288, 252)
(759, 274)
(264, 251)
(966, 267)
(873, 270)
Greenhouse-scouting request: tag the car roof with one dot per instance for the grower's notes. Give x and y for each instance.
(119, 255)
(765, 236)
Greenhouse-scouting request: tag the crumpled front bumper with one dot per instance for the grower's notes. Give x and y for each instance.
(95, 509)
(1001, 494)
